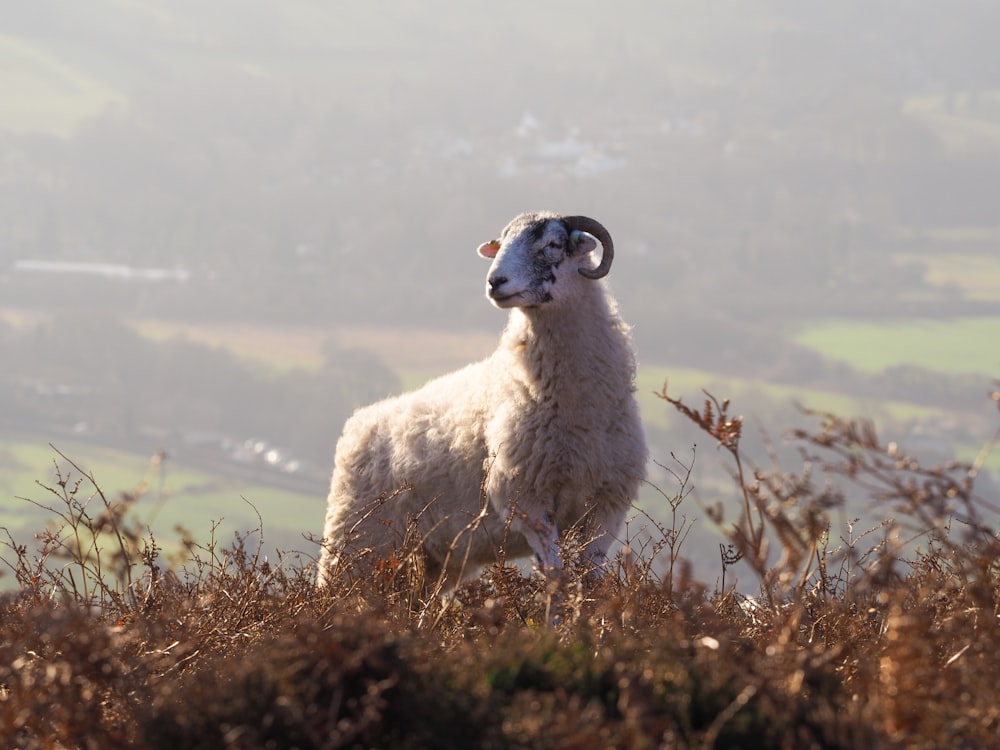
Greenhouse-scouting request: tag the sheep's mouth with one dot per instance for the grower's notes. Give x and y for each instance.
(506, 300)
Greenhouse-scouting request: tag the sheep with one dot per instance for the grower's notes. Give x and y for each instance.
(540, 437)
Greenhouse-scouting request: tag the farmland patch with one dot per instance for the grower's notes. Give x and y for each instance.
(960, 346)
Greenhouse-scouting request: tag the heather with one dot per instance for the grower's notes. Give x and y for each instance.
(879, 631)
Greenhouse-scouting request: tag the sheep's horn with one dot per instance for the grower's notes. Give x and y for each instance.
(594, 227)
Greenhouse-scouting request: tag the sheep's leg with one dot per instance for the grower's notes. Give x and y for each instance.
(595, 556)
(600, 525)
(543, 537)
(596, 551)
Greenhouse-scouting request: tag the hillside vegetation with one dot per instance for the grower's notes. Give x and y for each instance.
(878, 637)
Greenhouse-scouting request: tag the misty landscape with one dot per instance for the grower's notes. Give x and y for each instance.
(226, 226)
(221, 232)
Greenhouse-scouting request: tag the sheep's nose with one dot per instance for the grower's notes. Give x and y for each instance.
(496, 282)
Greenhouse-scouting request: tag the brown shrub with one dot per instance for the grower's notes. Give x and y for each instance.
(886, 638)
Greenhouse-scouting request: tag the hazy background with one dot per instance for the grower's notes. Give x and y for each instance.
(224, 226)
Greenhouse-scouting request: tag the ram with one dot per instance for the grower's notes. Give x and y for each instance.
(540, 437)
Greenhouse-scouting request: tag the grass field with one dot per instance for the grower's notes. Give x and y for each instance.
(975, 274)
(173, 495)
(963, 345)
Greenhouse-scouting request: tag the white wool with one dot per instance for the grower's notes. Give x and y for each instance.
(541, 436)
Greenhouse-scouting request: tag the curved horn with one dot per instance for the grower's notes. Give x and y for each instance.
(594, 227)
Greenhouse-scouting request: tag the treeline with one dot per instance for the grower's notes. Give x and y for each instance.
(99, 377)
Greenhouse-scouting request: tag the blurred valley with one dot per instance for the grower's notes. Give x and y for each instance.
(223, 229)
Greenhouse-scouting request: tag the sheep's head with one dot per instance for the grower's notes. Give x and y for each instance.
(540, 258)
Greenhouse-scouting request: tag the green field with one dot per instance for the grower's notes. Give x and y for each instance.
(173, 494)
(959, 346)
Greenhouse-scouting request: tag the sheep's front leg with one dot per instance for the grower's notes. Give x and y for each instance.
(539, 529)
(596, 551)
(602, 523)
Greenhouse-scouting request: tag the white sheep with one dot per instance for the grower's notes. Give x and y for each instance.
(540, 437)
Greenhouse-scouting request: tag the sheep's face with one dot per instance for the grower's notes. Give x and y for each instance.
(535, 262)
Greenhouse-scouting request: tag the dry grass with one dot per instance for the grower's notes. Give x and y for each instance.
(876, 636)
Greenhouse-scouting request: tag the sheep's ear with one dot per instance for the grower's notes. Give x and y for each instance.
(582, 242)
(489, 249)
